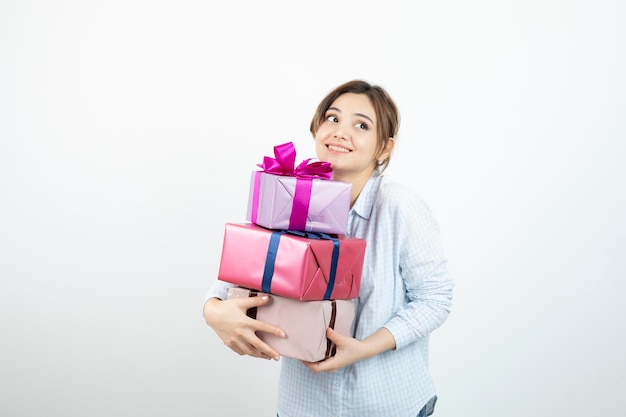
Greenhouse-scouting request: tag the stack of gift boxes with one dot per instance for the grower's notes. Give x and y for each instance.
(294, 247)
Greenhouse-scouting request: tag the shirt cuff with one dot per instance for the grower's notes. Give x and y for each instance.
(218, 290)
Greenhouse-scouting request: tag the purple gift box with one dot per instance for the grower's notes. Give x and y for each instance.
(302, 198)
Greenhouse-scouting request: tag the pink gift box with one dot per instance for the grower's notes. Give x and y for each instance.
(309, 204)
(304, 323)
(292, 266)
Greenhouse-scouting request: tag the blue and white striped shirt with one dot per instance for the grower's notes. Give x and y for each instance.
(405, 288)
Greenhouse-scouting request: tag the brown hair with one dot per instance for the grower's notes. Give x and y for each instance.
(386, 111)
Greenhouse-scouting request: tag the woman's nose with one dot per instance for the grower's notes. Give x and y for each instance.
(340, 132)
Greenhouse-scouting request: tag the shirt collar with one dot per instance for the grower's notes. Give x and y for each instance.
(365, 201)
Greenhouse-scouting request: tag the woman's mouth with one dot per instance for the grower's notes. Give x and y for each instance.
(336, 148)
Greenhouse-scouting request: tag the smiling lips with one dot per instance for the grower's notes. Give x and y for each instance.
(338, 148)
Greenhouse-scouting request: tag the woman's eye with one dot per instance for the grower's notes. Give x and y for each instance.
(362, 126)
(332, 119)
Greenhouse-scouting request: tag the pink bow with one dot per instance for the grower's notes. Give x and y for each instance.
(285, 161)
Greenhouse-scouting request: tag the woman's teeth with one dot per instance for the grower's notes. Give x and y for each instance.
(338, 149)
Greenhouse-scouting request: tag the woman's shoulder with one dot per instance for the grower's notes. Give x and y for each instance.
(392, 192)
(404, 203)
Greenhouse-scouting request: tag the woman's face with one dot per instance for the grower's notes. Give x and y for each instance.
(347, 137)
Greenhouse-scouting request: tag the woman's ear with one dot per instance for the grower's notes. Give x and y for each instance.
(387, 152)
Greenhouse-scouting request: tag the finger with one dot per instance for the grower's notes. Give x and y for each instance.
(313, 366)
(334, 336)
(323, 366)
(261, 326)
(260, 346)
(247, 349)
(252, 351)
(255, 301)
(267, 352)
(253, 346)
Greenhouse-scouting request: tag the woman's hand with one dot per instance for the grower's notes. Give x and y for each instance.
(229, 321)
(351, 350)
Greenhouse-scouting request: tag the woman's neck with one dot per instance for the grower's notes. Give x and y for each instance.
(358, 181)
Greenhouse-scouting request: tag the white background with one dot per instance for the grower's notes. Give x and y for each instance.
(128, 130)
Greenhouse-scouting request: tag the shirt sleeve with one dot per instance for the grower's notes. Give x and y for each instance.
(424, 272)
(219, 289)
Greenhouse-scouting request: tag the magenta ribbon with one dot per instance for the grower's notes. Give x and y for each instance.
(284, 164)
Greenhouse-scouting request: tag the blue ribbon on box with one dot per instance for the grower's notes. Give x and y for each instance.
(272, 251)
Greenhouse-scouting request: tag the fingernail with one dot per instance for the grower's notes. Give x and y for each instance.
(276, 358)
(264, 297)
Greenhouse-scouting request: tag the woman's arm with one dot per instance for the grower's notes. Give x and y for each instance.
(425, 275)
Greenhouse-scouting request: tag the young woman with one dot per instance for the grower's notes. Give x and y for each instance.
(405, 293)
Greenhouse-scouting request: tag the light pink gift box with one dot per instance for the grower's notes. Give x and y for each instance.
(304, 323)
(278, 202)
(291, 266)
